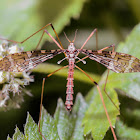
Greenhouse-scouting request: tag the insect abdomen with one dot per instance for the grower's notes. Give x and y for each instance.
(69, 91)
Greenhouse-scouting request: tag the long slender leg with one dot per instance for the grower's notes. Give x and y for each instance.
(96, 39)
(50, 24)
(107, 93)
(114, 135)
(105, 83)
(92, 33)
(43, 92)
(55, 41)
(43, 82)
(98, 65)
(110, 98)
(39, 40)
(100, 51)
(108, 74)
(55, 34)
(113, 50)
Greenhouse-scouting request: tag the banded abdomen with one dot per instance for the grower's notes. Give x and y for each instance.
(69, 91)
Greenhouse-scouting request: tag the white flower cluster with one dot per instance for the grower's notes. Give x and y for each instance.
(12, 83)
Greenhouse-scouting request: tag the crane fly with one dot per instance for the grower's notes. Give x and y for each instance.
(115, 61)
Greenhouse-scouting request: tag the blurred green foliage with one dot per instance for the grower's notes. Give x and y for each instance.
(20, 19)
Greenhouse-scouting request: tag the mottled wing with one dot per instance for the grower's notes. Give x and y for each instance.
(24, 61)
(117, 62)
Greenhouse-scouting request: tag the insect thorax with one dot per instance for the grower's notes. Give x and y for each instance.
(71, 51)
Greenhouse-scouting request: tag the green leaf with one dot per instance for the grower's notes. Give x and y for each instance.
(8, 138)
(95, 120)
(48, 126)
(20, 19)
(127, 133)
(18, 134)
(64, 125)
(31, 129)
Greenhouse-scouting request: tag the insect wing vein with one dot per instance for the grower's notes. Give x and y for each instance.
(25, 61)
(117, 62)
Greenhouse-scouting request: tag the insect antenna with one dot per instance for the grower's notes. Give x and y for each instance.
(75, 35)
(67, 37)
